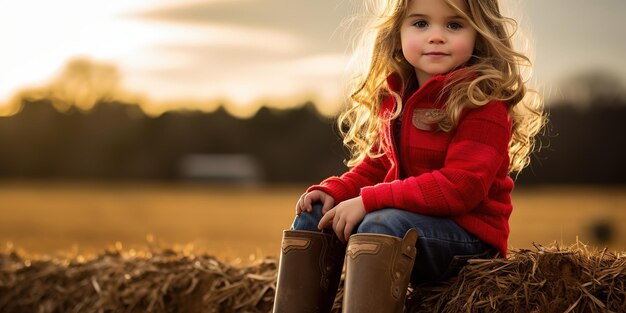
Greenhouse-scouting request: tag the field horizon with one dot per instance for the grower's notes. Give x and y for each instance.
(69, 218)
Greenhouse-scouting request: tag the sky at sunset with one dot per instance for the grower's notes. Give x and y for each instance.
(249, 52)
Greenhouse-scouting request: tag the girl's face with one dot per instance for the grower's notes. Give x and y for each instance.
(435, 39)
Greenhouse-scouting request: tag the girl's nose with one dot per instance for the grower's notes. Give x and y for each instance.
(436, 36)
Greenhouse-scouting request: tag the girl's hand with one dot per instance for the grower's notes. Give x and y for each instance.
(308, 198)
(344, 217)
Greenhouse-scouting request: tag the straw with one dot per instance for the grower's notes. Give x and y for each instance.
(542, 279)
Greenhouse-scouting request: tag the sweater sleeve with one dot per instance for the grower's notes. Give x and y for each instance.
(369, 172)
(474, 156)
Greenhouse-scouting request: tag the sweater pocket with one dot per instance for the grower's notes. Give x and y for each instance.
(426, 119)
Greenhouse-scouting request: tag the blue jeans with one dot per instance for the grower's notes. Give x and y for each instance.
(442, 245)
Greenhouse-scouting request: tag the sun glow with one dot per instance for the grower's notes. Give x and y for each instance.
(162, 62)
(38, 36)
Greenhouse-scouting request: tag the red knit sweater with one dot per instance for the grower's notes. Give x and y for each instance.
(462, 175)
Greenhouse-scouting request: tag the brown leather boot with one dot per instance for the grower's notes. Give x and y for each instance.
(309, 272)
(378, 270)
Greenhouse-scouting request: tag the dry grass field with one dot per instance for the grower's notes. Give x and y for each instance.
(62, 218)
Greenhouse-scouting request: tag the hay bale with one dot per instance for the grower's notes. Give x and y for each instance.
(152, 281)
(546, 279)
(552, 279)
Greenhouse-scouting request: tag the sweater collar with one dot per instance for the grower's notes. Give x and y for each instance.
(395, 83)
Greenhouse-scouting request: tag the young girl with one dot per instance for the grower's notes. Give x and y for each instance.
(436, 125)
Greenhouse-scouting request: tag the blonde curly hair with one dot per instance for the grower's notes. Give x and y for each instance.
(496, 75)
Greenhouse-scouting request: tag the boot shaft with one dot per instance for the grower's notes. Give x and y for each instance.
(377, 272)
(309, 272)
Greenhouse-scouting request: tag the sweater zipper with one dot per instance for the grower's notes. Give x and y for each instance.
(394, 146)
(398, 149)
(408, 107)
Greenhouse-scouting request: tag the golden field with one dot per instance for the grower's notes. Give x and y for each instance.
(240, 222)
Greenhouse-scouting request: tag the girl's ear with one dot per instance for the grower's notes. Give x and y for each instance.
(398, 55)
(479, 47)
(398, 46)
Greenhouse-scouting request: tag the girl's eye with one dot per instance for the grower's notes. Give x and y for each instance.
(421, 24)
(455, 26)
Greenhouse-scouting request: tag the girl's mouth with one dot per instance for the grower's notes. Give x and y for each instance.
(435, 53)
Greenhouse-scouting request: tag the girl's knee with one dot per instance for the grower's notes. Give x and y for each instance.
(383, 222)
(308, 220)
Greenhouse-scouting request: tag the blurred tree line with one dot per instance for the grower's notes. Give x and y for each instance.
(67, 130)
(116, 141)
(582, 144)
